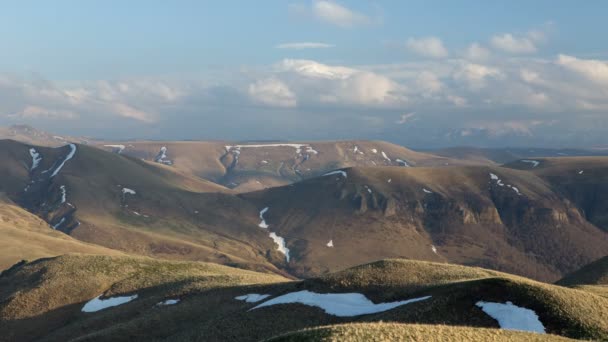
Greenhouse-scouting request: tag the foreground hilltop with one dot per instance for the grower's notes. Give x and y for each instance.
(121, 298)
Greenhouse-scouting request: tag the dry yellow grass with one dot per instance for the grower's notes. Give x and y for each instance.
(384, 332)
(25, 236)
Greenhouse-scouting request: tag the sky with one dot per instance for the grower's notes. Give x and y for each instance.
(417, 73)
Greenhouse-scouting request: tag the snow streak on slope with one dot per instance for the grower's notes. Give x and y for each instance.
(117, 148)
(338, 304)
(279, 241)
(68, 157)
(97, 304)
(337, 172)
(512, 317)
(252, 297)
(533, 162)
(263, 223)
(168, 302)
(36, 158)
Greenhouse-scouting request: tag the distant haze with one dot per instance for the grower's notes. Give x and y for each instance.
(416, 73)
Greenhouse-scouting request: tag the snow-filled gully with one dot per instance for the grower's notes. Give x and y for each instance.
(279, 241)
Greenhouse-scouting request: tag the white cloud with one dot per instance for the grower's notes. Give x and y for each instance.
(477, 52)
(316, 82)
(516, 45)
(314, 69)
(336, 14)
(591, 69)
(36, 112)
(429, 83)
(428, 47)
(304, 45)
(272, 92)
(475, 75)
(457, 100)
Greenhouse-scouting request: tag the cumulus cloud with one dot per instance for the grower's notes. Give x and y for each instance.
(338, 15)
(428, 47)
(591, 69)
(316, 82)
(475, 75)
(477, 52)
(518, 44)
(304, 45)
(272, 92)
(495, 97)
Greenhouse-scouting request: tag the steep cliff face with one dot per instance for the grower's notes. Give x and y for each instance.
(493, 217)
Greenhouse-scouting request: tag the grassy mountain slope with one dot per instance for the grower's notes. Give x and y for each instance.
(256, 165)
(135, 206)
(516, 223)
(27, 237)
(43, 299)
(595, 273)
(379, 332)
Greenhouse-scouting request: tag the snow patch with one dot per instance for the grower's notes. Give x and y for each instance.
(581, 172)
(330, 243)
(498, 181)
(534, 163)
(63, 194)
(128, 191)
(309, 149)
(36, 158)
(343, 173)
(168, 302)
(161, 157)
(389, 180)
(427, 191)
(116, 148)
(97, 304)
(338, 304)
(374, 150)
(512, 317)
(280, 242)
(59, 223)
(402, 162)
(434, 249)
(68, 157)
(252, 297)
(385, 156)
(263, 224)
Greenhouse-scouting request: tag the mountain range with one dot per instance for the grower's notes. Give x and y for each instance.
(203, 222)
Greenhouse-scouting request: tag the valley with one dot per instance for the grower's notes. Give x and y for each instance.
(159, 229)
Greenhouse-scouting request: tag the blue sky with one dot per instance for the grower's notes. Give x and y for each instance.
(415, 72)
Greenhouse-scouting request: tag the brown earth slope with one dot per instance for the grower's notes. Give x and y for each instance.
(248, 166)
(134, 206)
(493, 217)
